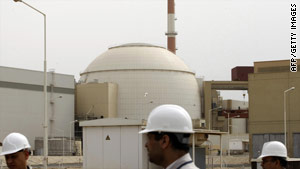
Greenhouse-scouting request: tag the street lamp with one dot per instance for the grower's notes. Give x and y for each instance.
(209, 118)
(284, 113)
(71, 134)
(45, 160)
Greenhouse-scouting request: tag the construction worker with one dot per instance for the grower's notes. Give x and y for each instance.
(274, 155)
(168, 130)
(16, 150)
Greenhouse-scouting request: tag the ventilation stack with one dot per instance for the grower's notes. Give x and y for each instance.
(171, 34)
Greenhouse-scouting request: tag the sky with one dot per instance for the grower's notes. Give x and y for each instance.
(214, 36)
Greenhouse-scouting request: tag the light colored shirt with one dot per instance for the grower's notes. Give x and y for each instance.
(184, 162)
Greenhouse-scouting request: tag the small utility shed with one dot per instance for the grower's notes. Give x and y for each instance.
(114, 143)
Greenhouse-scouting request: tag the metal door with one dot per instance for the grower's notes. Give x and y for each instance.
(296, 147)
(258, 141)
(111, 148)
(92, 148)
(129, 147)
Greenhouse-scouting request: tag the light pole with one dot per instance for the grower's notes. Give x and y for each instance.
(71, 134)
(209, 114)
(284, 113)
(45, 160)
(228, 131)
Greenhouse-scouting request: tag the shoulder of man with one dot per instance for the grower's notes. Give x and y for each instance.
(189, 166)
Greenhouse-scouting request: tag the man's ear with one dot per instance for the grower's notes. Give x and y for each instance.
(165, 141)
(277, 162)
(26, 152)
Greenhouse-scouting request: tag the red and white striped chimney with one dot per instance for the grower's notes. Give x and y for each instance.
(171, 34)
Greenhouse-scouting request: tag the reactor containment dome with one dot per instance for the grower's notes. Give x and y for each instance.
(147, 76)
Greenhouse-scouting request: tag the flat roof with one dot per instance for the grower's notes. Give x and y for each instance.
(133, 122)
(228, 85)
(273, 61)
(111, 122)
(211, 132)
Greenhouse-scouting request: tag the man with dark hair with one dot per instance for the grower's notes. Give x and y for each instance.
(168, 130)
(274, 155)
(16, 150)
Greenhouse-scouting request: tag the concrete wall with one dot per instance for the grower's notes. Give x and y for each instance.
(266, 106)
(234, 105)
(273, 66)
(96, 100)
(238, 125)
(22, 103)
(141, 91)
(200, 81)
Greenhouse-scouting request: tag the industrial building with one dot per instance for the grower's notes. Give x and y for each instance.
(266, 86)
(269, 99)
(119, 89)
(214, 113)
(126, 82)
(132, 79)
(230, 116)
(22, 105)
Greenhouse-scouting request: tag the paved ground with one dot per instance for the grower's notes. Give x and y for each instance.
(229, 162)
(75, 162)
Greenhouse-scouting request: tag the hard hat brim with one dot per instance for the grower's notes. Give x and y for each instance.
(8, 152)
(164, 130)
(262, 156)
(12, 152)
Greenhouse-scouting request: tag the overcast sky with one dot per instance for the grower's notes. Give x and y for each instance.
(214, 36)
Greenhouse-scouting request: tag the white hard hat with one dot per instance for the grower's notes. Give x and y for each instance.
(13, 143)
(273, 148)
(169, 118)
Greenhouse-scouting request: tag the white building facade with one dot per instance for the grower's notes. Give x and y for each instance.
(22, 103)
